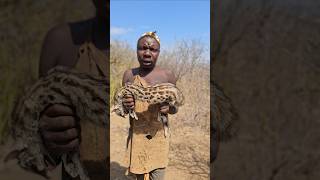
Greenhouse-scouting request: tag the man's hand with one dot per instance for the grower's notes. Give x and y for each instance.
(59, 129)
(166, 109)
(128, 102)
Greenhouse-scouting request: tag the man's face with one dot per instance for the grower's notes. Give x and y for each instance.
(102, 8)
(148, 51)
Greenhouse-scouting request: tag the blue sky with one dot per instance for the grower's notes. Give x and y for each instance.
(172, 19)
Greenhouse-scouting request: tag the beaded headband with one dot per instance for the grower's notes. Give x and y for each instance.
(151, 34)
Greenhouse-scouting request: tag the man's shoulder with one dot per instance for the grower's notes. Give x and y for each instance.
(58, 31)
(129, 74)
(165, 71)
(69, 31)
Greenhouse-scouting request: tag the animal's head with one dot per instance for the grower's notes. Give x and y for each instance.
(179, 98)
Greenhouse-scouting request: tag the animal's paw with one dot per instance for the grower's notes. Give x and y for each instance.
(119, 112)
(133, 115)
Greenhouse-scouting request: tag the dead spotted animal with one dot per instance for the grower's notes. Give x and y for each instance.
(89, 96)
(159, 93)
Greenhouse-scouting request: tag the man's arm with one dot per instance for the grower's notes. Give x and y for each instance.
(171, 77)
(127, 76)
(57, 123)
(165, 108)
(50, 51)
(128, 100)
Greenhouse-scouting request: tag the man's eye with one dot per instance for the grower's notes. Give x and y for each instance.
(143, 49)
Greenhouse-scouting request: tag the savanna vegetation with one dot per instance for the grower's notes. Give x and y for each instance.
(187, 60)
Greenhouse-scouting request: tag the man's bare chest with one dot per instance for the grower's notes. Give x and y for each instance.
(155, 78)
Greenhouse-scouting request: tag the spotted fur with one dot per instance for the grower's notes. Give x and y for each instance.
(157, 94)
(89, 96)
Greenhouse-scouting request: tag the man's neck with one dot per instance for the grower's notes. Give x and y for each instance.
(145, 71)
(100, 26)
(100, 33)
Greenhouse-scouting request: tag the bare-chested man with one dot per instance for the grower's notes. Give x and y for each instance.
(58, 125)
(148, 49)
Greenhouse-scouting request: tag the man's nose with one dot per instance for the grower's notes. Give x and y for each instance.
(147, 53)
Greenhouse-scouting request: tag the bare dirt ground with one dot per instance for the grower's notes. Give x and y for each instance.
(186, 146)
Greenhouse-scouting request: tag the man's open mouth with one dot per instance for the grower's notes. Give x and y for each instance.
(147, 63)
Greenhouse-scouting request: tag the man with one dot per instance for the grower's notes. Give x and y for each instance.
(148, 150)
(82, 46)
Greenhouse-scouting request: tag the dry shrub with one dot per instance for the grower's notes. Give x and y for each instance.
(192, 123)
(122, 57)
(183, 57)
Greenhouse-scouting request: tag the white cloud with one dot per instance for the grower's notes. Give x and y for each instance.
(119, 30)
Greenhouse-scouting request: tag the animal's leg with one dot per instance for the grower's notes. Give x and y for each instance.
(159, 117)
(133, 115)
(118, 111)
(165, 122)
(164, 118)
(73, 166)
